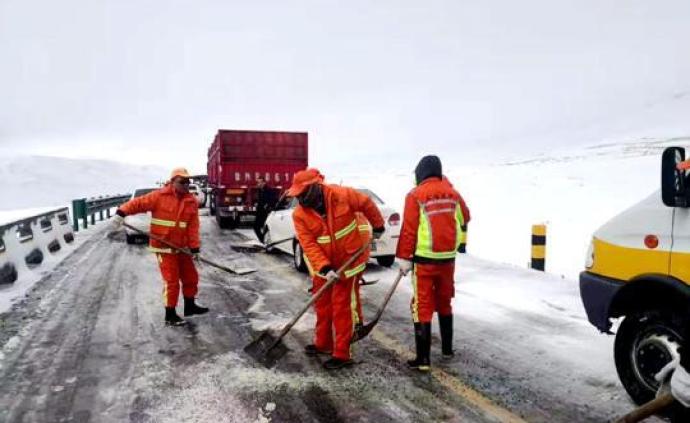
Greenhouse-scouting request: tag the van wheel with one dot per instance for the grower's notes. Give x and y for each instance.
(385, 261)
(645, 343)
(298, 258)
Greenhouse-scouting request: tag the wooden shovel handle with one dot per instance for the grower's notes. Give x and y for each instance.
(317, 295)
(649, 409)
(181, 249)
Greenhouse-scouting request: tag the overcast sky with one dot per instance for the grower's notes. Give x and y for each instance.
(151, 81)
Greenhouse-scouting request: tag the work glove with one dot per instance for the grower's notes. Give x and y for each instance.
(329, 274)
(664, 376)
(116, 221)
(195, 253)
(378, 232)
(680, 386)
(405, 266)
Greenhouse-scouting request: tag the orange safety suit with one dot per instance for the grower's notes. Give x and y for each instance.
(174, 219)
(329, 241)
(434, 220)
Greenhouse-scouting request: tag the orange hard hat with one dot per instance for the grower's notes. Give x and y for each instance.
(179, 171)
(302, 180)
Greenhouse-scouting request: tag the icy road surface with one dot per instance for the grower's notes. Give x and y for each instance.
(89, 344)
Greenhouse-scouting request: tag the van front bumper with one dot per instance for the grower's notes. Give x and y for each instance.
(597, 292)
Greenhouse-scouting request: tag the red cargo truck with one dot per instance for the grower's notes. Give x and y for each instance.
(237, 158)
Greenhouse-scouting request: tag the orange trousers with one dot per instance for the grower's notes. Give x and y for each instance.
(175, 268)
(434, 287)
(337, 311)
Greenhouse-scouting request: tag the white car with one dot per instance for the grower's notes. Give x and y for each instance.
(141, 221)
(198, 193)
(279, 227)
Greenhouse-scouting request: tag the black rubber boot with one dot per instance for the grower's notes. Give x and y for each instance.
(171, 317)
(446, 325)
(190, 307)
(336, 363)
(422, 339)
(312, 350)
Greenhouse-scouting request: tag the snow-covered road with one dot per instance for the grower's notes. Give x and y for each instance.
(88, 344)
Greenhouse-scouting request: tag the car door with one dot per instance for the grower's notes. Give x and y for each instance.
(281, 226)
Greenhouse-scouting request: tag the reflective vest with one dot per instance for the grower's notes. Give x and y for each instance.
(440, 232)
(333, 239)
(174, 219)
(434, 222)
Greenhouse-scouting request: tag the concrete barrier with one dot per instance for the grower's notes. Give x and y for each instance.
(30, 242)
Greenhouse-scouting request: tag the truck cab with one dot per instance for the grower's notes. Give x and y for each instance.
(638, 269)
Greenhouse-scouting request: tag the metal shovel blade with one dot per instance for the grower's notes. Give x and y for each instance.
(248, 247)
(361, 331)
(266, 349)
(243, 270)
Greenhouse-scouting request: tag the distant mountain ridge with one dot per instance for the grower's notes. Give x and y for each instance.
(43, 181)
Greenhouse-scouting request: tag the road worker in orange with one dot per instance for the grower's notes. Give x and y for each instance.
(434, 222)
(175, 219)
(331, 223)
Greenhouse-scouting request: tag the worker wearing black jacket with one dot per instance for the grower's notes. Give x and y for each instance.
(265, 198)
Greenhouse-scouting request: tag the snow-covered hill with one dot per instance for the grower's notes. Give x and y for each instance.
(41, 181)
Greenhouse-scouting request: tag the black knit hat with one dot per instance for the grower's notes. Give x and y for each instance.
(428, 167)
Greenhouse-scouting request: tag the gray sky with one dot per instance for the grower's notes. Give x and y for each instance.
(151, 81)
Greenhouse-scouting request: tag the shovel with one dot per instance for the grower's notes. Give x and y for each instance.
(242, 271)
(363, 330)
(253, 247)
(648, 409)
(267, 349)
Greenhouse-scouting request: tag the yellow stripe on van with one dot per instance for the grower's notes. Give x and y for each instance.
(625, 263)
(680, 266)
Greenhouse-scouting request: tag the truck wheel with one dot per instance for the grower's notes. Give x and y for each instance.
(385, 261)
(298, 258)
(224, 222)
(645, 343)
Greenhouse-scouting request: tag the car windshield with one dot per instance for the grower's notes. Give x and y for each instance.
(143, 191)
(371, 195)
(286, 203)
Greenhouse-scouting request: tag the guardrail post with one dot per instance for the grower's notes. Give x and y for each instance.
(538, 247)
(79, 212)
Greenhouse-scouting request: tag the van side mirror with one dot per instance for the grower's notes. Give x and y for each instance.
(673, 189)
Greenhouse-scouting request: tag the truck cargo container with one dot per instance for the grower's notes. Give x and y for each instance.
(237, 158)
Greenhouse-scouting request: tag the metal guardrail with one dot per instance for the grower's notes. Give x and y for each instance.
(25, 242)
(83, 208)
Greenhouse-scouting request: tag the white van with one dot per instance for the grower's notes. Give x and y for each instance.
(638, 268)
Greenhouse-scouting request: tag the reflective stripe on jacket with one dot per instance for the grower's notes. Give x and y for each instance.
(434, 222)
(331, 241)
(174, 219)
